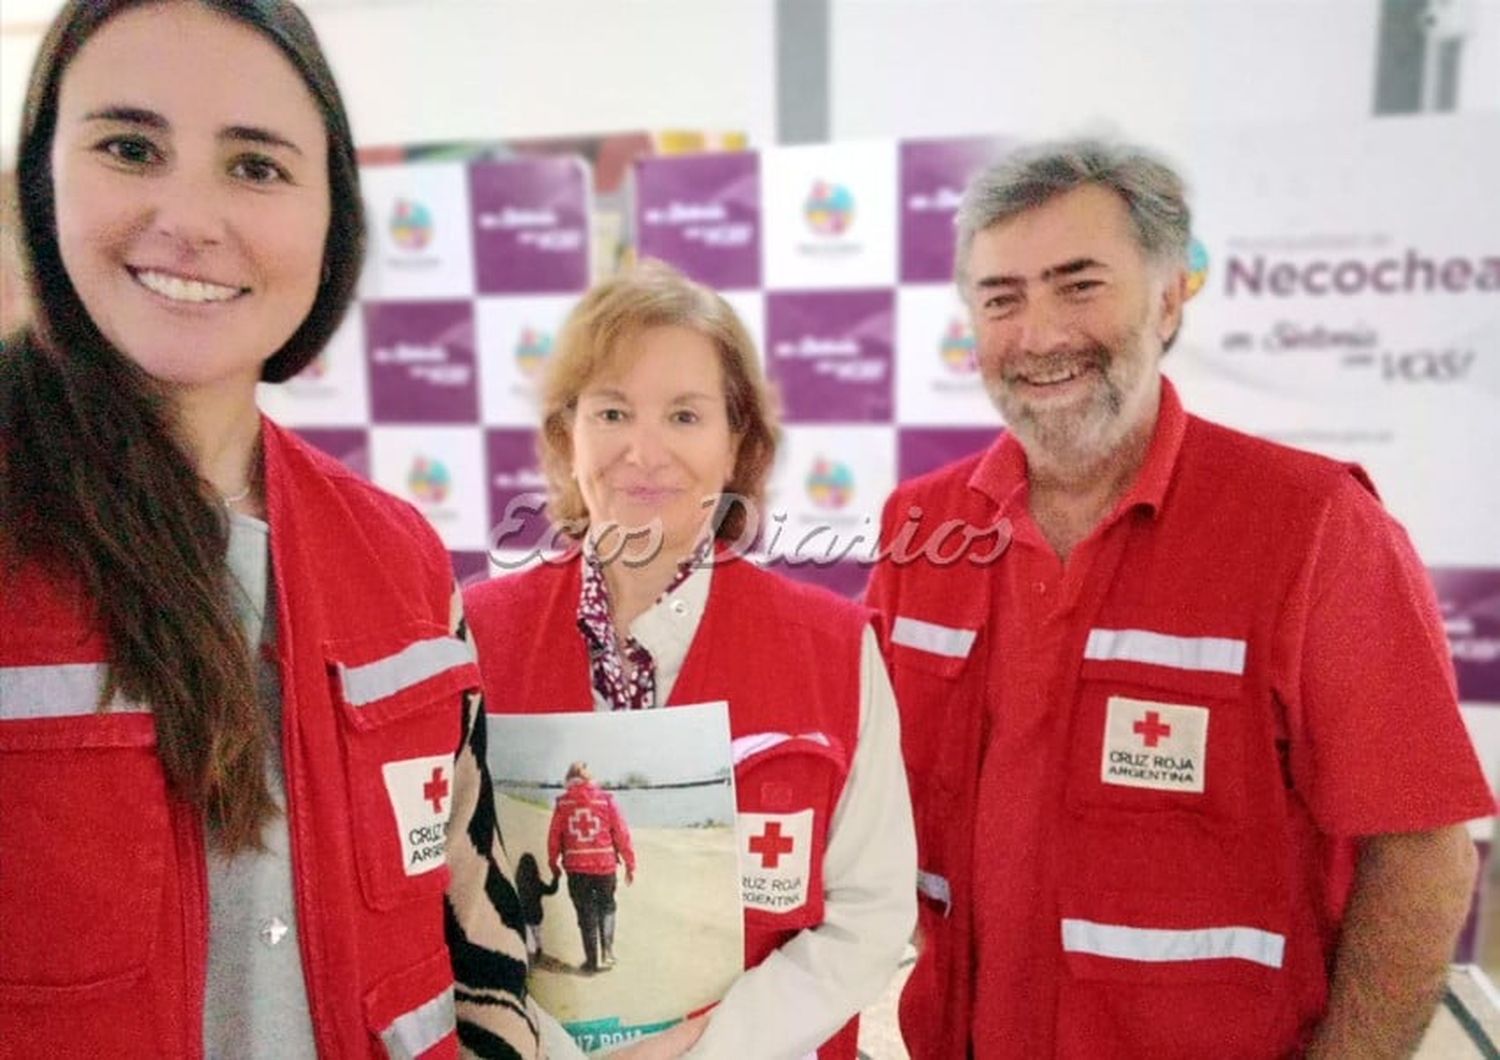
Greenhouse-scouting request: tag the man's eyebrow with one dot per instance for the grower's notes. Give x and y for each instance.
(1069, 268)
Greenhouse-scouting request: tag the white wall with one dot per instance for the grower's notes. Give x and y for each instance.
(1136, 67)
(416, 70)
(1480, 83)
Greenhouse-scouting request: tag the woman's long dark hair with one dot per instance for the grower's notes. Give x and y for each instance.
(96, 489)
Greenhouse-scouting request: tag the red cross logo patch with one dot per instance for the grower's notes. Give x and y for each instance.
(1150, 729)
(584, 825)
(770, 845)
(436, 789)
(420, 790)
(1155, 745)
(775, 862)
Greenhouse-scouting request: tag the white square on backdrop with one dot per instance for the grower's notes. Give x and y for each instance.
(441, 471)
(332, 391)
(421, 241)
(937, 375)
(827, 490)
(515, 337)
(750, 307)
(830, 216)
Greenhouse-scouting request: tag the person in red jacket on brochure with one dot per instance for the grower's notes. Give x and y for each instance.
(243, 800)
(588, 836)
(656, 417)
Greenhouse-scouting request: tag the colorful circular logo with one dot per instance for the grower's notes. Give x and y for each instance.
(428, 480)
(958, 347)
(411, 225)
(830, 484)
(829, 208)
(1197, 267)
(532, 350)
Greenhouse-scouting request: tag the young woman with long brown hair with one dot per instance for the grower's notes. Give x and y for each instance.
(241, 750)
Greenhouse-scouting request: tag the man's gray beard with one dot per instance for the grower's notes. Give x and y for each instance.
(1071, 440)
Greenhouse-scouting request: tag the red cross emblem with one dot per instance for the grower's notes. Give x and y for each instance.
(1151, 730)
(770, 845)
(436, 789)
(583, 825)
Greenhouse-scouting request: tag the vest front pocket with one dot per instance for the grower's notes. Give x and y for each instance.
(412, 1013)
(1171, 975)
(85, 834)
(400, 700)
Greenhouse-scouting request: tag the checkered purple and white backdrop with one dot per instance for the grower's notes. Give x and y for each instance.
(1348, 302)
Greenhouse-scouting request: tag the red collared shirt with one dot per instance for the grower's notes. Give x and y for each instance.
(1341, 642)
(1035, 602)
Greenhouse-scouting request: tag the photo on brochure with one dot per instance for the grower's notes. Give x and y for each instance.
(620, 828)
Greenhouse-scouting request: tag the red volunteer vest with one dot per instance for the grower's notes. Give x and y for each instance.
(1242, 852)
(603, 840)
(785, 656)
(103, 905)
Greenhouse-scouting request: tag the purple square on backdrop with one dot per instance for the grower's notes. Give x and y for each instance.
(702, 214)
(531, 225)
(517, 491)
(829, 353)
(1470, 601)
(421, 358)
(933, 175)
(470, 568)
(846, 577)
(923, 449)
(350, 446)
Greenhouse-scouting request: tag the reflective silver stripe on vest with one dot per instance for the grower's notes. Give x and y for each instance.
(743, 747)
(1216, 654)
(929, 636)
(1161, 944)
(411, 665)
(935, 887)
(62, 691)
(413, 1033)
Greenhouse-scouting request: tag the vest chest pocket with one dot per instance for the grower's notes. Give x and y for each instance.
(786, 788)
(1162, 739)
(85, 834)
(933, 673)
(936, 672)
(400, 701)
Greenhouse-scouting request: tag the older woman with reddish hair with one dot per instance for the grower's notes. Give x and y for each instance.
(657, 437)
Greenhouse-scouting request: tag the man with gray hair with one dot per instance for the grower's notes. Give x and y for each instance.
(1188, 769)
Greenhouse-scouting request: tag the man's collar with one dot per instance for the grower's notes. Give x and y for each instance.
(1001, 472)
(1149, 490)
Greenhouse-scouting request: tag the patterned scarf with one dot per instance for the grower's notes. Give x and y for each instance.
(607, 652)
